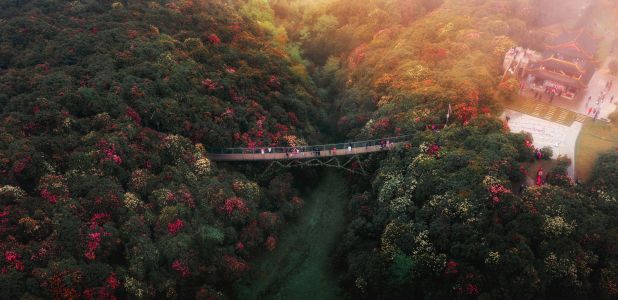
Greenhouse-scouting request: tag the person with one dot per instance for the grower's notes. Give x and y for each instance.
(350, 147)
(611, 100)
(508, 118)
(262, 151)
(270, 150)
(334, 150)
(539, 176)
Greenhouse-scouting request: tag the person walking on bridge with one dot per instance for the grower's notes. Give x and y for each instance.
(350, 147)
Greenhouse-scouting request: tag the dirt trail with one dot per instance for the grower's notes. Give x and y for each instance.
(300, 268)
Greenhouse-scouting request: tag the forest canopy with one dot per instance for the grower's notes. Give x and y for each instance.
(110, 108)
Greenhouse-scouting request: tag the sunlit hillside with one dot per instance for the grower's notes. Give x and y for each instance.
(308, 149)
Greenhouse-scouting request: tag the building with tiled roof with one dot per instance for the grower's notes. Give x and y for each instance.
(567, 64)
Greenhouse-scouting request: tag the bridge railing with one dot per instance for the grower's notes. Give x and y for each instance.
(311, 148)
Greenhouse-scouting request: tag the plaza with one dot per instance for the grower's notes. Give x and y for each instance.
(560, 138)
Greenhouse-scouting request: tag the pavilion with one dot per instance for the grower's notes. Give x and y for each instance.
(567, 65)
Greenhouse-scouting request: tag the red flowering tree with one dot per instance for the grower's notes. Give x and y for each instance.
(174, 227)
(214, 39)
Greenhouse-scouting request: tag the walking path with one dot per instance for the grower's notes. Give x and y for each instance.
(307, 152)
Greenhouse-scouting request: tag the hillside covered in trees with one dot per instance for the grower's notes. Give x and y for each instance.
(109, 108)
(446, 217)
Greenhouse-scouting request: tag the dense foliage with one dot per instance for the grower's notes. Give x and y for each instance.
(106, 107)
(446, 217)
(109, 108)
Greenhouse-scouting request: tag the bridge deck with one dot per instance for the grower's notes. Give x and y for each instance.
(308, 153)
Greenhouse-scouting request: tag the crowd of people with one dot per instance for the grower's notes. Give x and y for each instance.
(596, 109)
(551, 91)
(317, 150)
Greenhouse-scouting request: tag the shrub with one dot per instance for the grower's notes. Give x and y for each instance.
(547, 152)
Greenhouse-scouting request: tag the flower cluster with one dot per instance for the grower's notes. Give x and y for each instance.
(235, 204)
(433, 150)
(181, 268)
(202, 166)
(131, 113)
(273, 82)
(493, 258)
(21, 165)
(556, 226)
(131, 201)
(174, 227)
(95, 237)
(451, 267)
(52, 188)
(214, 39)
(298, 202)
(14, 259)
(109, 152)
(94, 240)
(210, 85)
(271, 243)
(235, 264)
(47, 195)
(14, 191)
(472, 289)
(104, 292)
(495, 191)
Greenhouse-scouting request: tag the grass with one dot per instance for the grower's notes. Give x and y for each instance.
(301, 267)
(594, 139)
